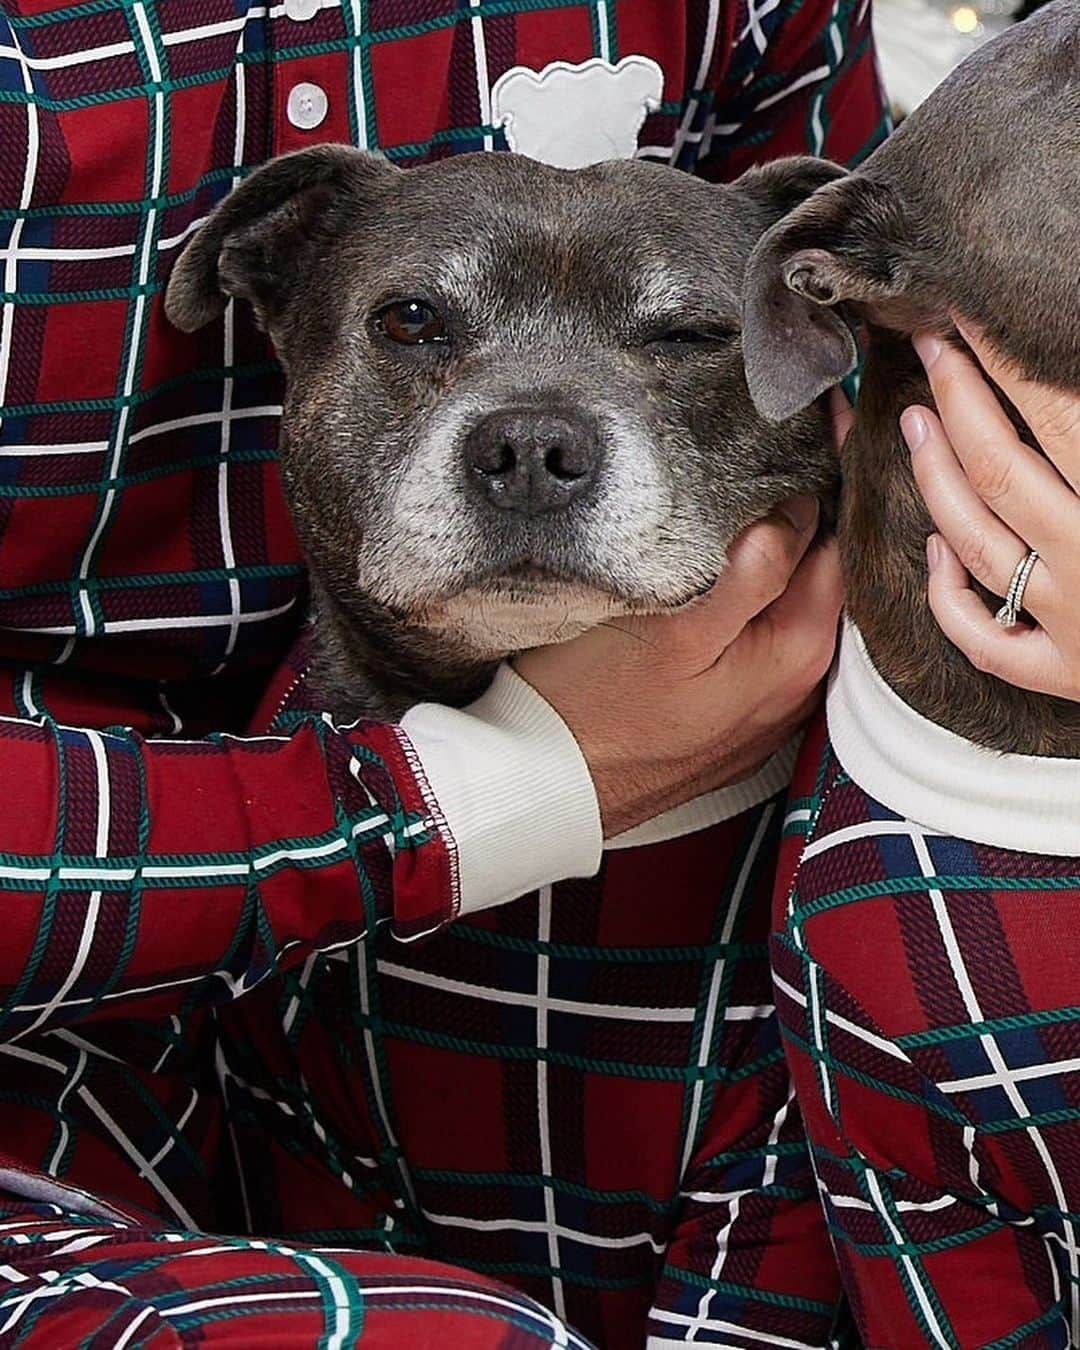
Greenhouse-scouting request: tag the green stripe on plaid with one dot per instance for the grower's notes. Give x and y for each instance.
(152, 580)
(837, 1066)
(992, 1026)
(657, 1073)
(921, 885)
(32, 491)
(750, 951)
(207, 375)
(559, 1184)
(748, 1292)
(72, 872)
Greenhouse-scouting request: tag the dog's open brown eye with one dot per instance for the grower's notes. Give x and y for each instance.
(412, 323)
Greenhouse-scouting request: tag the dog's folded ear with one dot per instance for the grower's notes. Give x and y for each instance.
(253, 242)
(781, 185)
(840, 255)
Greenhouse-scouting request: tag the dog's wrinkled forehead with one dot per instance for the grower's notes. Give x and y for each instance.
(505, 236)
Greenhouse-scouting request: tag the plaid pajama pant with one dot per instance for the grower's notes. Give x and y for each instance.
(78, 1281)
(928, 991)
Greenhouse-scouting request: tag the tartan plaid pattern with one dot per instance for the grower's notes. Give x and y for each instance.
(150, 577)
(79, 1281)
(927, 990)
(581, 1093)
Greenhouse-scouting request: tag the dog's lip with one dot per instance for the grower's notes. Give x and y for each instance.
(526, 577)
(532, 573)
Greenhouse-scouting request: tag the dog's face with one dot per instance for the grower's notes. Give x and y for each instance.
(516, 403)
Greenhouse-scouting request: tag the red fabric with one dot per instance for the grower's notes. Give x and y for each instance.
(926, 986)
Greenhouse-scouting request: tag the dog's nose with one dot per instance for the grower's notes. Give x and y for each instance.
(530, 461)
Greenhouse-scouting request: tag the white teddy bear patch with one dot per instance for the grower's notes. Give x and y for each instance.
(572, 116)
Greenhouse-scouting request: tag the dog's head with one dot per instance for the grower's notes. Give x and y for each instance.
(516, 402)
(970, 208)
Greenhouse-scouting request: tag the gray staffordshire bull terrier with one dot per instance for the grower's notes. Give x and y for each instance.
(971, 208)
(516, 403)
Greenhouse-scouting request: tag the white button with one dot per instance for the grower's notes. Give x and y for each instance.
(302, 10)
(307, 106)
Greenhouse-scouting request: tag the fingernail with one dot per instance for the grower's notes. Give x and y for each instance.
(929, 348)
(802, 512)
(913, 425)
(933, 552)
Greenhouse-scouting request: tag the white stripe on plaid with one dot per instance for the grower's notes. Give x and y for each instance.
(835, 1018)
(755, 14)
(483, 80)
(138, 321)
(683, 1320)
(549, 1226)
(708, 1055)
(708, 50)
(148, 625)
(358, 8)
(55, 1288)
(915, 1274)
(145, 1166)
(540, 1000)
(181, 37)
(358, 960)
(228, 555)
(865, 829)
(93, 908)
(1026, 1072)
(543, 917)
(604, 43)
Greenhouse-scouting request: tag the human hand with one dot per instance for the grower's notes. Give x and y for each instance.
(993, 499)
(671, 706)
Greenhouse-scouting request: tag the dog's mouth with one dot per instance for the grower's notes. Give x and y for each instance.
(531, 580)
(529, 604)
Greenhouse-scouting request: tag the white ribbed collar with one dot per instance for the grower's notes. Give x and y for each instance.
(1028, 803)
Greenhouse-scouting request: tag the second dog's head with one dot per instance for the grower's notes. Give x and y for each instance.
(516, 403)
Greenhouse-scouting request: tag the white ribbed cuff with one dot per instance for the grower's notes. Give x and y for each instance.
(1025, 803)
(513, 789)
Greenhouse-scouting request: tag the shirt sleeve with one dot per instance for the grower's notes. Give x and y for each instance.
(799, 79)
(143, 875)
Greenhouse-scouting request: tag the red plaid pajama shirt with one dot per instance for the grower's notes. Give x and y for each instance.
(927, 989)
(157, 867)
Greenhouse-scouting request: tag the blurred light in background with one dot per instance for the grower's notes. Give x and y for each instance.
(965, 19)
(920, 41)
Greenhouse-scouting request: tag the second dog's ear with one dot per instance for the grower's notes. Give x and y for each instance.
(841, 252)
(251, 244)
